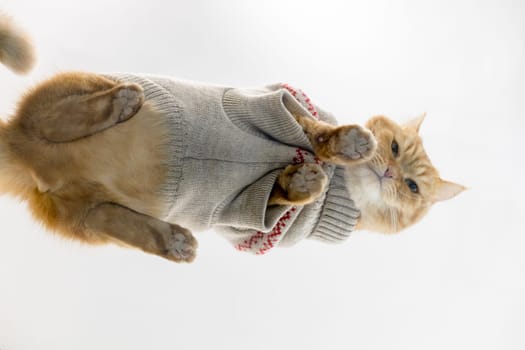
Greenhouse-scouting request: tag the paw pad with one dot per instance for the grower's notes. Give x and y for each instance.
(308, 180)
(128, 101)
(355, 143)
(181, 245)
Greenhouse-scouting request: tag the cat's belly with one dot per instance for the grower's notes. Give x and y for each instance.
(128, 161)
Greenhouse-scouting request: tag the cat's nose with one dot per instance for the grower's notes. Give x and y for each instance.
(390, 173)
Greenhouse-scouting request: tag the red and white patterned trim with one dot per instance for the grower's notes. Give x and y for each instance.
(304, 156)
(261, 242)
(303, 99)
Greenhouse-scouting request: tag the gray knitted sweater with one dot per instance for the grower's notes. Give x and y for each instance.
(227, 148)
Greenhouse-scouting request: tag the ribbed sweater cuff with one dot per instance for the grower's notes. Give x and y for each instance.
(273, 111)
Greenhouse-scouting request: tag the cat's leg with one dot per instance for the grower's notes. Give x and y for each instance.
(77, 105)
(75, 117)
(299, 184)
(141, 231)
(346, 144)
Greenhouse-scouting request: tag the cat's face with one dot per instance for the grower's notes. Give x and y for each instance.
(399, 184)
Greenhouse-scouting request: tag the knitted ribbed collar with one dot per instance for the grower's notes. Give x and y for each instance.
(339, 215)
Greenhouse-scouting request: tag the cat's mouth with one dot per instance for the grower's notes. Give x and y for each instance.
(381, 178)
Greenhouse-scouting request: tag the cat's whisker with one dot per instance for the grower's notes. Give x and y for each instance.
(389, 212)
(378, 160)
(390, 191)
(394, 221)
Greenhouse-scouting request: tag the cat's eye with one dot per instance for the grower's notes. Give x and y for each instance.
(395, 148)
(412, 185)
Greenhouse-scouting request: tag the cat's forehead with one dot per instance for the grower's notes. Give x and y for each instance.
(413, 148)
(412, 145)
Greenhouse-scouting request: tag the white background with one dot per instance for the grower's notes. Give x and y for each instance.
(454, 281)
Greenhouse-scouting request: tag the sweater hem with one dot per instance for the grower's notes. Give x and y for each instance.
(165, 103)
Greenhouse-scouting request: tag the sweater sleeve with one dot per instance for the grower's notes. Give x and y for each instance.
(267, 114)
(302, 98)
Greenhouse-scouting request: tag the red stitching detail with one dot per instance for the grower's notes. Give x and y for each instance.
(290, 89)
(273, 236)
(311, 107)
(247, 243)
(269, 238)
(303, 99)
(299, 158)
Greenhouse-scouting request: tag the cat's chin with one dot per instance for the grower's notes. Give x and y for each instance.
(364, 186)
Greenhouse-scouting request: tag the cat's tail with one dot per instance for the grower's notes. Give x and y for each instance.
(16, 49)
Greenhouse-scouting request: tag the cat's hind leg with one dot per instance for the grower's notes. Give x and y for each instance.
(71, 106)
(299, 184)
(141, 231)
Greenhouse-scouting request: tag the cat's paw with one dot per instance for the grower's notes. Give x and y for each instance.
(348, 144)
(127, 101)
(305, 182)
(181, 246)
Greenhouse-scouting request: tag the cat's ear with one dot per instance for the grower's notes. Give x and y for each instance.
(446, 190)
(415, 123)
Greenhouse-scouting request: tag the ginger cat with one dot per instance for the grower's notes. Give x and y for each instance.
(90, 156)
